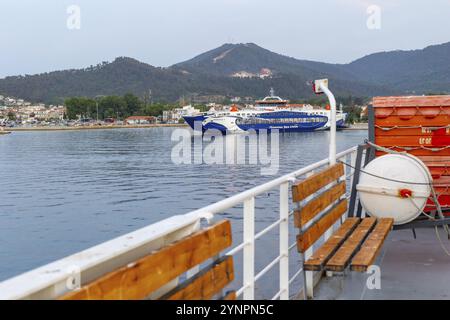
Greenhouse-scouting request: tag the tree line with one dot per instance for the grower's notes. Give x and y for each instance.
(119, 107)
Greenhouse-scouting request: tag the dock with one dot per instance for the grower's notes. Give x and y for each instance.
(358, 126)
(94, 127)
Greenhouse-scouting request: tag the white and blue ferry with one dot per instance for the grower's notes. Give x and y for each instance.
(271, 113)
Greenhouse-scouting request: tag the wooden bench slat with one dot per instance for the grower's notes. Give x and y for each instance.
(340, 260)
(230, 296)
(205, 284)
(370, 248)
(138, 280)
(318, 260)
(313, 233)
(316, 182)
(317, 205)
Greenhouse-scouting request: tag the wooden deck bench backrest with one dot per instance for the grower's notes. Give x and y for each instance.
(319, 214)
(356, 241)
(140, 279)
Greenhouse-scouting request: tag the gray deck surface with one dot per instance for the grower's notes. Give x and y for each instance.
(410, 269)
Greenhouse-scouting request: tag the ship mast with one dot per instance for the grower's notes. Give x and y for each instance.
(272, 93)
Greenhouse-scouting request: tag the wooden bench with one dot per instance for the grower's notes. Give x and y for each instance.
(356, 243)
(144, 278)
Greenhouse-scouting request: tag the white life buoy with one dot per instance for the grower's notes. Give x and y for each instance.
(395, 186)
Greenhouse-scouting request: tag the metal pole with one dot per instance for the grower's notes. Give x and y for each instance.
(284, 241)
(96, 103)
(355, 181)
(249, 249)
(332, 101)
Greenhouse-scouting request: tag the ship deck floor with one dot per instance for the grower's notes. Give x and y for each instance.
(410, 269)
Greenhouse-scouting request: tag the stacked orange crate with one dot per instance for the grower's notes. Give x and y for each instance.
(419, 125)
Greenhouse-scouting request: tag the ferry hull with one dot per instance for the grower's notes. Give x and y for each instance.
(340, 124)
(192, 120)
(198, 123)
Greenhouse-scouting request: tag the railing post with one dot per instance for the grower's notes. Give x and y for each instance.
(249, 249)
(352, 163)
(284, 241)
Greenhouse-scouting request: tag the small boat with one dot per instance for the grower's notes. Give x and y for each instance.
(271, 113)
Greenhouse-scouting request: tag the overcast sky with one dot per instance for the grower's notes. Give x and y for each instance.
(35, 37)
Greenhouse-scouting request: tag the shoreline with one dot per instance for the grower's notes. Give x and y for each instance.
(358, 126)
(109, 127)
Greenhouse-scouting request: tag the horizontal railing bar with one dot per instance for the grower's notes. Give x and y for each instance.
(236, 249)
(272, 226)
(241, 291)
(267, 268)
(275, 297)
(292, 246)
(295, 275)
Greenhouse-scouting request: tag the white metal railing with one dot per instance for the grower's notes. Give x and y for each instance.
(51, 280)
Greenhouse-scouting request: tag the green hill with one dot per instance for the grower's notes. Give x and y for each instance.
(239, 70)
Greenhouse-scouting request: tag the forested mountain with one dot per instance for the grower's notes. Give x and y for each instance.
(242, 70)
(419, 71)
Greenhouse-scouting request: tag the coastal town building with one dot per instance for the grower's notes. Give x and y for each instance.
(26, 112)
(174, 115)
(135, 120)
(262, 74)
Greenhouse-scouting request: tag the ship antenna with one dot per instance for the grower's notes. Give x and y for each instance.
(272, 93)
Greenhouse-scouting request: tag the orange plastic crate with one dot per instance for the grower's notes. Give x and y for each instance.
(419, 125)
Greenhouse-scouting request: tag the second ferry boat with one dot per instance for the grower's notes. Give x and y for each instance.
(271, 113)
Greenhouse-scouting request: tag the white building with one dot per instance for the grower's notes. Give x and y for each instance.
(178, 113)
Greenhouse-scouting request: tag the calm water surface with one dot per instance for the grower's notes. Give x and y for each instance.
(62, 192)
